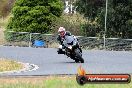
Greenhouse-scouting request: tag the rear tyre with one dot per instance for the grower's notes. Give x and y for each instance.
(79, 55)
(77, 61)
(82, 60)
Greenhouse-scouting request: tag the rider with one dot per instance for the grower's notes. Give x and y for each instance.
(65, 36)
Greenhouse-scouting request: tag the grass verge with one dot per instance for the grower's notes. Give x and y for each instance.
(3, 24)
(53, 82)
(4, 21)
(8, 65)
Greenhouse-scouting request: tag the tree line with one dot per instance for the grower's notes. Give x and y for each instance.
(119, 20)
(38, 16)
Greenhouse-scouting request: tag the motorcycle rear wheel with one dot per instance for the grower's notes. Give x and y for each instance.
(79, 56)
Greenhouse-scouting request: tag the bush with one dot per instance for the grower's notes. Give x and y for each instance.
(34, 16)
(72, 23)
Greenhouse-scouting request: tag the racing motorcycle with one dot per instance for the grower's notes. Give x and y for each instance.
(75, 53)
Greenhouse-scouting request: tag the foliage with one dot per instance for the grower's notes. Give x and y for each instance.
(71, 22)
(89, 7)
(34, 16)
(119, 20)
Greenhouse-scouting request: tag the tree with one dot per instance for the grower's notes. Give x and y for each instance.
(119, 20)
(34, 15)
(89, 7)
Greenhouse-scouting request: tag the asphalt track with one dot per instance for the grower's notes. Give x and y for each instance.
(50, 63)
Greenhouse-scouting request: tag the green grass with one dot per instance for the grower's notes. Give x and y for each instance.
(54, 82)
(8, 65)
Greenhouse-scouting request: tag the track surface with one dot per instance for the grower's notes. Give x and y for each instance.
(50, 63)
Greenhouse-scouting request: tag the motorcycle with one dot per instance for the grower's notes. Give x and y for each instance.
(75, 53)
(70, 46)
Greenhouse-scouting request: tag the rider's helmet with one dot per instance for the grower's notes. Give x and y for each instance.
(62, 31)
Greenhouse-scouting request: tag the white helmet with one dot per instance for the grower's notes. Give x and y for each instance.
(61, 29)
